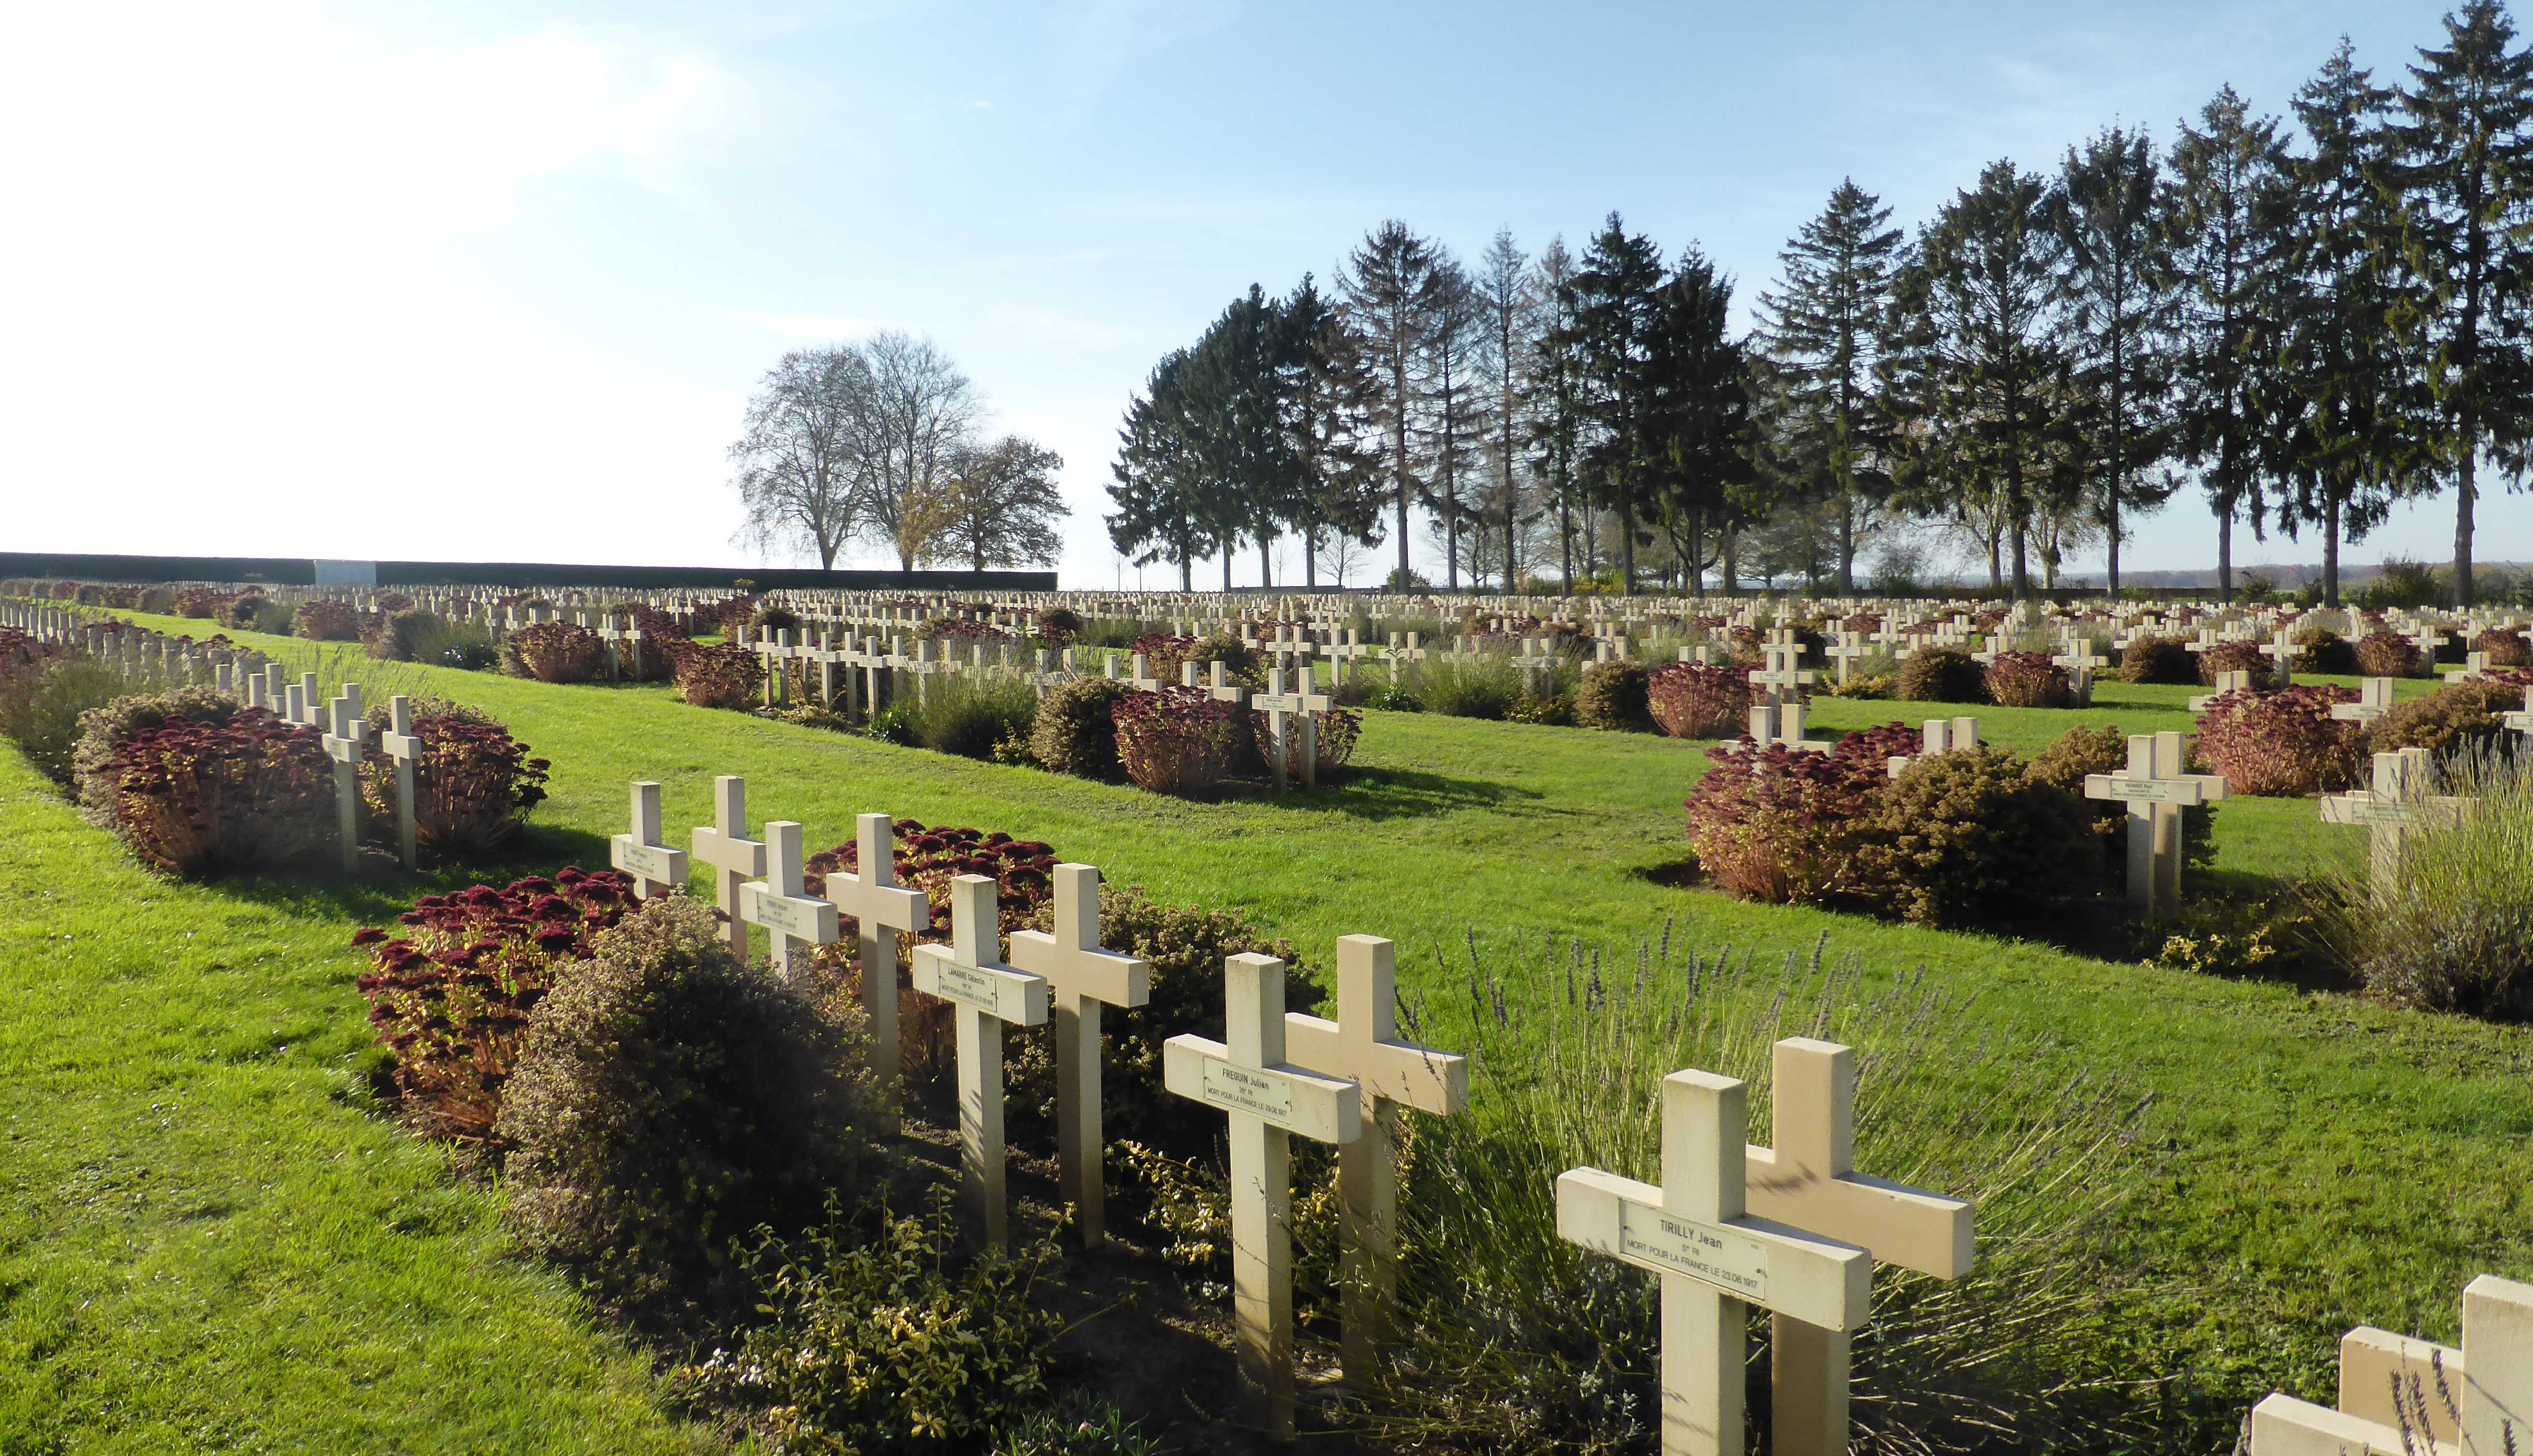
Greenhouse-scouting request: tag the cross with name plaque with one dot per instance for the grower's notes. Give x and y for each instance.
(2156, 790)
(1268, 1101)
(346, 731)
(1716, 1259)
(403, 746)
(2396, 807)
(795, 922)
(969, 975)
(734, 859)
(656, 868)
(881, 908)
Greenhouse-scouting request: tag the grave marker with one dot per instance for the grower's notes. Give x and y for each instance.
(2405, 1397)
(969, 975)
(642, 854)
(1362, 1046)
(1081, 976)
(2374, 700)
(734, 859)
(344, 739)
(1246, 1076)
(2156, 790)
(2396, 807)
(791, 917)
(1715, 1259)
(880, 908)
(401, 745)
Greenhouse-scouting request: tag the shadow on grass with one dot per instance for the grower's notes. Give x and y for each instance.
(383, 890)
(1407, 793)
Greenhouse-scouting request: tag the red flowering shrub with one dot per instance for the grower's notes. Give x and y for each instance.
(653, 657)
(324, 620)
(1334, 737)
(192, 797)
(2457, 717)
(472, 786)
(2157, 660)
(1176, 740)
(735, 612)
(450, 994)
(2027, 679)
(722, 675)
(552, 651)
(2283, 743)
(2234, 657)
(2506, 648)
(2381, 654)
(1689, 701)
(1875, 747)
(928, 859)
(1782, 825)
(201, 602)
(66, 591)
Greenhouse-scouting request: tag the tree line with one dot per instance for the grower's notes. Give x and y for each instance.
(884, 441)
(2306, 323)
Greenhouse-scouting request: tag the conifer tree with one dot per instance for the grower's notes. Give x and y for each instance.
(2463, 167)
(1393, 287)
(1504, 306)
(1823, 328)
(2225, 220)
(1451, 428)
(1556, 429)
(1700, 429)
(2117, 275)
(1330, 420)
(1164, 507)
(1617, 314)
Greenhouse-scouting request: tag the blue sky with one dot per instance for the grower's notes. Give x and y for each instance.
(493, 281)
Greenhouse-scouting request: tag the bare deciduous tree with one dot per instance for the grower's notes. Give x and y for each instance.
(919, 413)
(998, 507)
(800, 474)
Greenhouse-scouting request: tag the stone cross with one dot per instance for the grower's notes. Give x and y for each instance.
(2374, 700)
(1280, 706)
(1808, 1181)
(1781, 677)
(2396, 807)
(404, 747)
(1139, 677)
(1247, 1076)
(880, 908)
(1694, 1230)
(1081, 977)
(2156, 790)
(656, 868)
(2280, 648)
(2233, 680)
(1783, 723)
(1940, 735)
(795, 922)
(1362, 1046)
(2399, 1396)
(348, 730)
(969, 975)
(1844, 650)
(734, 859)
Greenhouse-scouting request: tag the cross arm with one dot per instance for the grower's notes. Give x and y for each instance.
(1902, 1225)
(1102, 975)
(1819, 1281)
(1411, 1076)
(1326, 1109)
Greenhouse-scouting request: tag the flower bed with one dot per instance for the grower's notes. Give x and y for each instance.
(2284, 742)
(195, 798)
(1176, 741)
(1689, 701)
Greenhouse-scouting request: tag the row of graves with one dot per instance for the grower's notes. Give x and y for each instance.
(1793, 1228)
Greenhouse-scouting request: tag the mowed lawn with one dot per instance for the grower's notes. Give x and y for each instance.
(2323, 1162)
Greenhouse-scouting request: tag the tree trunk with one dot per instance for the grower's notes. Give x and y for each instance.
(1565, 538)
(1731, 562)
(2330, 550)
(2464, 496)
(2225, 554)
(2021, 561)
(1266, 563)
(1628, 549)
(1227, 566)
(2111, 527)
(1310, 559)
(1187, 572)
(1847, 540)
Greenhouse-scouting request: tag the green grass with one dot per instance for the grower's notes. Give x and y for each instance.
(2327, 1162)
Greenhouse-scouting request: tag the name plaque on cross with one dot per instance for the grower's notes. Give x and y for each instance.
(966, 984)
(656, 863)
(2349, 810)
(1669, 1243)
(1261, 1094)
(802, 919)
(1293, 1099)
(2148, 791)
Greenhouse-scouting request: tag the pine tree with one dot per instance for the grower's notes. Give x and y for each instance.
(1450, 429)
(1823, 325)
(1235, 390)
(2116, 274)
(1504, 305)
(1330, 418)
(2350, 443)
(2464, 171)
(1163, 505)
(1556, 429)
(1700, 429)
(1618, 311)
(2225, 218)
(1973, 364)
(1392, 286)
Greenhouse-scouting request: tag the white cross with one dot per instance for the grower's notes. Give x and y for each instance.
(794, 922)
(2374, 700)
(345, 734)
(1939, 736)
(880, 910)
(2157, 791)
(403, 746)
(1280, 706)
(656, 868)
(1715, 1259)
(2405, 1397)
(2396, 807)
(1808, 1181)
(1247, 1076)
(2232, 680)
(969, 973)
(733, 857)
(1362, 1046)
(1081, 977)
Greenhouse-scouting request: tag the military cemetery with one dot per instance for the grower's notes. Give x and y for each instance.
(1718, 874)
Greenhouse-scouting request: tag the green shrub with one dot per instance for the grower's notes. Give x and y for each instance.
(2084, 751)
(2458, 718)
(969, 713)
(1058, 625)
(670, 1098)
(109, 725)
(1611, 695)
(1075, 727)
(770, 620)
(2454, 928)
(156, 601)
(450, 989)
(409, 635)
(1964, 840)
(886, 1339)
(2403, 584)
(1485, 688)
(1942, 675)
(552, 651)
(472, 786)
(2323, 652)
(2159, 660)
(42, 705)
